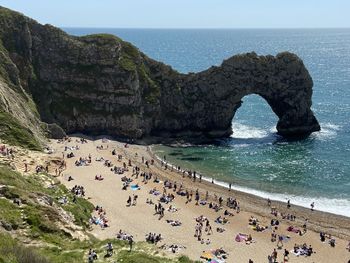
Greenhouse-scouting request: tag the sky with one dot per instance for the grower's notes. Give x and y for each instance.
(187, 13)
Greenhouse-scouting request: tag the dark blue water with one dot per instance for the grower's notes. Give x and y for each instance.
(255, 159)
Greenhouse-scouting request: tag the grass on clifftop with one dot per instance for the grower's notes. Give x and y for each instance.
(15, 134)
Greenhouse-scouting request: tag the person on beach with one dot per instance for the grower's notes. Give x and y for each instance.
(312, 206)
(274, 255)
(285, 255)
(134, 200)
(197, 197)
(280, 242)
(128, 202)
(273, 236)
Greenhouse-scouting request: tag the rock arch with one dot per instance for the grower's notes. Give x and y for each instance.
(100, 84)
(209, 99)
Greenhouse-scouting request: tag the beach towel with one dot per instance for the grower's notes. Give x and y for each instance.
(207, 255)
(241, 238)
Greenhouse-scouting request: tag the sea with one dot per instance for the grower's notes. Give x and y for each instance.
(255, 159)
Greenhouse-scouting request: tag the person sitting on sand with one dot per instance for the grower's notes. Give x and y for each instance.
(332, 241)
(274, 222)
(322, 237)
(220, 229)
(253, 221)
(172, 209)
(227, 213)
(249, 238)
(98, 177)
(260, 228)
(221, 220)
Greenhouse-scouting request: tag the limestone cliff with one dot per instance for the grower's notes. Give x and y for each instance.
(99, 84)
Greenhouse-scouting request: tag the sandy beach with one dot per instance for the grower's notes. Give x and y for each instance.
(141, 219)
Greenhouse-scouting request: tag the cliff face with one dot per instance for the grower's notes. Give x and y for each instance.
(99, 84)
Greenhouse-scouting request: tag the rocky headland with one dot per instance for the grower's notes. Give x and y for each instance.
(52, 83)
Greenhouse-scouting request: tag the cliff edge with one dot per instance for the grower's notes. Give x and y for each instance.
(100, 84)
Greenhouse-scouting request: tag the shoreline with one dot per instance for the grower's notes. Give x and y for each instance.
(276, 197)
(140, 219)
(260, 201)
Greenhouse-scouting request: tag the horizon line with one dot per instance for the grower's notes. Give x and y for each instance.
(205, 28)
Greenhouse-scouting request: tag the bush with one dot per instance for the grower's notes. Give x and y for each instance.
(11, 251)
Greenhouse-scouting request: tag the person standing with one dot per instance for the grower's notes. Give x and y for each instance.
(274, 255)
(130, 241)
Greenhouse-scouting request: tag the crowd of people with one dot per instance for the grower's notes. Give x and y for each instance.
(172, 188)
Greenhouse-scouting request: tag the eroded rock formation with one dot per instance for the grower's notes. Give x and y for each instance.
(99, 84)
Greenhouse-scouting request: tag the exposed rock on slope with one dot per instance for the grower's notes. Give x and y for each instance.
(99, 84)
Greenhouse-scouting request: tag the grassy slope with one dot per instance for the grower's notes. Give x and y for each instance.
(12, 132)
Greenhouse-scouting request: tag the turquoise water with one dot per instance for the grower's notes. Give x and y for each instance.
(254, 158)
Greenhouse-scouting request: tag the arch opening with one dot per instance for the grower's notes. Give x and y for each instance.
(254, 119)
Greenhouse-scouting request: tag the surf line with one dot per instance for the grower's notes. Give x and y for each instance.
(259, 194)
(204, 178)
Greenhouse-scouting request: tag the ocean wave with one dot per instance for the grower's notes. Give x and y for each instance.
(241, 131)
(337, 206)
(328, 131)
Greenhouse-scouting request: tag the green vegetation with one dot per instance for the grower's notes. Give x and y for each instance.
(130, 60)
(129, 57)
(104, 38)
(12, 252)
(9, 213)
(152, 92)
(12, 132)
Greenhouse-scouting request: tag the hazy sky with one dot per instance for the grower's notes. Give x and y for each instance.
(187, 13)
